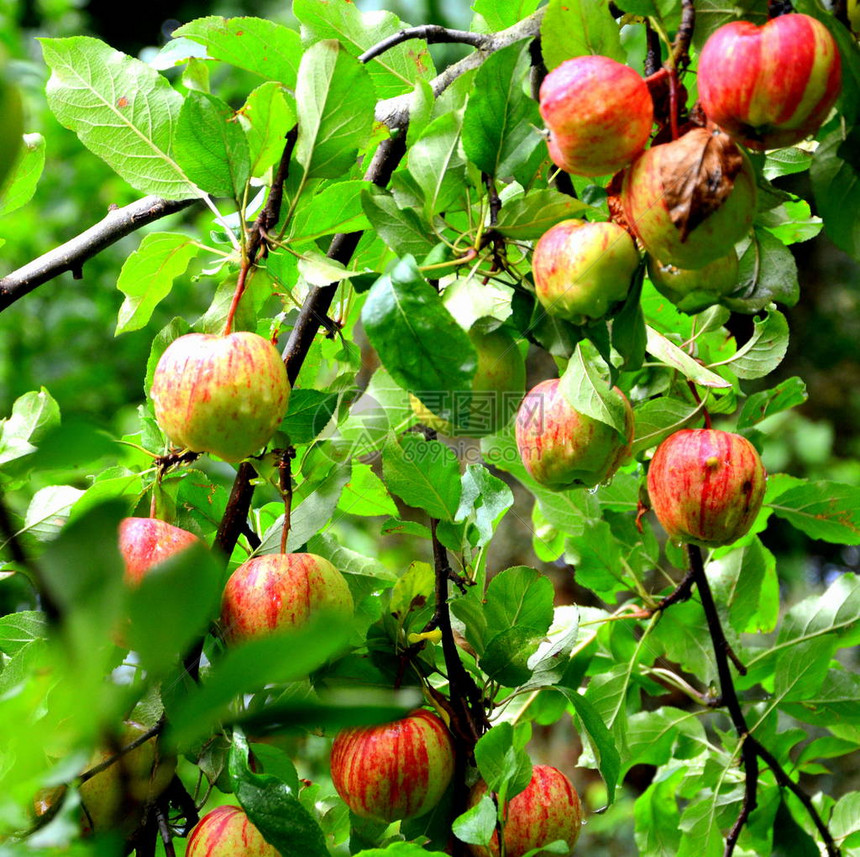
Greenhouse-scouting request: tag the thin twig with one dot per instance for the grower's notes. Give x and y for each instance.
(433, 34)
(72, 255)
(122, 751)
(164, 830)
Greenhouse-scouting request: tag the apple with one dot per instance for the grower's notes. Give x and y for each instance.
(581, 269)
(145, 542)
(227, 832)
(498, 386)
(771, 85)
(546, 811)
(598, 113)
(562, 448)
(394, 771)
(278, 592)
(694, 290)
(118, 795)
(691, 200)
(706, 486)
(225, 395)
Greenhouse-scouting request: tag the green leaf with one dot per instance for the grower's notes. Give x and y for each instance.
(498, 15)
(527, 217)
(656, 817)
(122, 110)
(506, 656)
(211, 146)
(334, 103)
(308, 413)
(502, 762)
(337, 208)
(578, 28)
(845, 821)
(800, 670)
(267, 116)
(400, 849)
(49, 510)
(835, 704)
(172, 607)
(274, 807)
(657, 418)
(653, 737)
(424, 474)
(406, 321)
(741, 580)
(835, 611)
(147, 276)
(20, 185)
(254, 44)
(402, 229)
(759, 406)
(366, 494)
(823, 510)
(500, 126)
(767, 273)
(836, 184)
(586, 388)
(437, 166)
(396, 71)
(33, 416)
(791, 222)
(478, 823)
(19, 629)
(764, 350)
(661, 348)
(519, 596)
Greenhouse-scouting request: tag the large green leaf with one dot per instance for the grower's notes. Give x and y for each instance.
(836, 182)
(121, 109)
(822, 510)
(578, 28)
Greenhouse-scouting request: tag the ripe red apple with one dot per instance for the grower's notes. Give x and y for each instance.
(694, 290)
(773, 85)
(562, 448)
(682, 202)
(145, 542)
(118, 795)
(227, 832)
(225, 395)
(582, 269)
(706, 486)
(278, 592)
(547, 810)
(599, 115)
(498, 386)
(396, 770)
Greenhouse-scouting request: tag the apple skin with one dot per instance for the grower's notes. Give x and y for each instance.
(145, 542)
(643, 199)
(706, 486)
(582, 269)
(562, 448)
(547, 810)
(227, 832)
(225, 395)
(694, 290)
(139, 777)
(279, 592)
(498, 386)
(773, 85)
(394, 771)
(598, 113)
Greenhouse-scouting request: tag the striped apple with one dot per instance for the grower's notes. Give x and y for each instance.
(145, 542)
(581, 269)
(598, 113)
(225, 395)
(563, 448)
(227, 832)
(770, 86)
(280, 592)
(394, 771)
(706, 486)
(546, 811)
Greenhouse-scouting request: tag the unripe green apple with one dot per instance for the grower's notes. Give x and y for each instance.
(706, 486)
(498, 386)
(116, 797)
(771, 85)
(145, 542)
(562, 448)
(694, 290)
(227, 832)
(546, 811)
(225, 395)
(669, 200)
(280, 592)
(396, 770)
(598, 113)
(581, 269)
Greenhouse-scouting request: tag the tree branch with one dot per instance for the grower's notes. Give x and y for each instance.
(71, 256)
(433, 34)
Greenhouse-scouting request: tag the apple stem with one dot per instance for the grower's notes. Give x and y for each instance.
(237, 295)
(285, 484)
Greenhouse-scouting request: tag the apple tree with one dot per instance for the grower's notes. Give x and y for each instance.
(421, 309)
